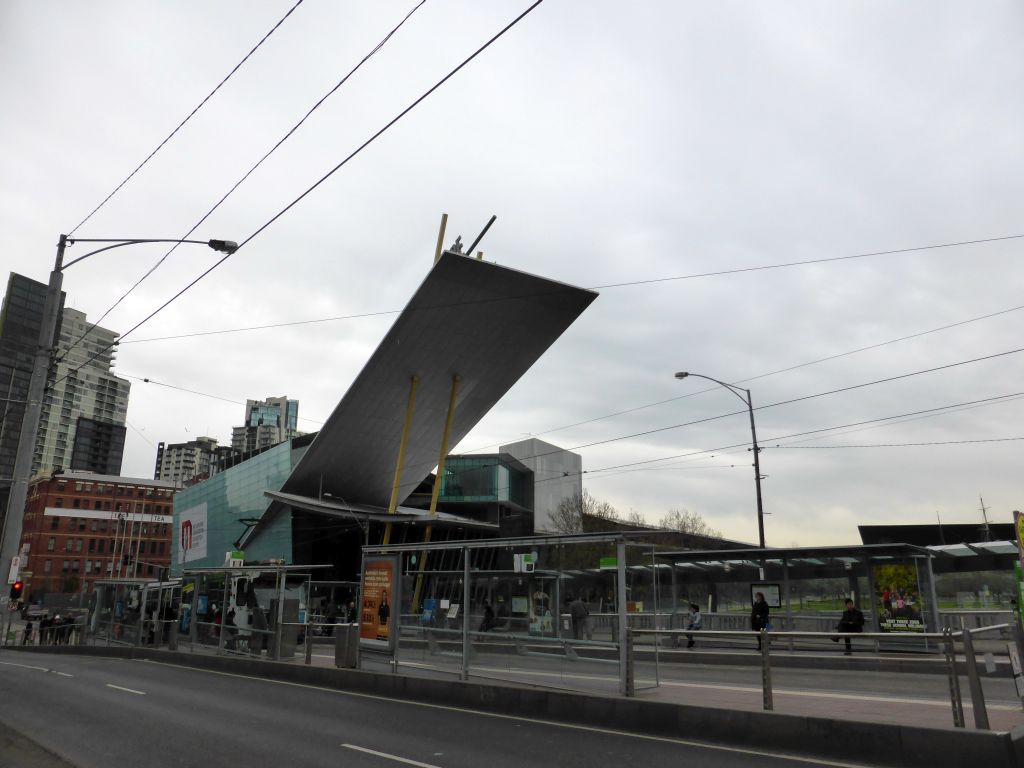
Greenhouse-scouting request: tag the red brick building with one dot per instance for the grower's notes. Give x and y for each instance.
(80, 527)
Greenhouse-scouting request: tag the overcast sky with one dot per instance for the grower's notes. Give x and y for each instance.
(616, 142)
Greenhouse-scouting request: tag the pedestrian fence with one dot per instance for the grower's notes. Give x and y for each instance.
(957, 648)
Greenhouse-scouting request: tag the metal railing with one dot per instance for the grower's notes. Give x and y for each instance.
(945, 639)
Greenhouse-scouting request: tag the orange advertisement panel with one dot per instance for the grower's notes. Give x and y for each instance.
(378, 613)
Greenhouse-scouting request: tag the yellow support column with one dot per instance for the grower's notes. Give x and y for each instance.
(445, 439)
(440, 237)
(410, 407)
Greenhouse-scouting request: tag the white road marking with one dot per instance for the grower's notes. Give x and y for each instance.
(128, 690)
(23, 666)
(536, 721)
(386, 756)
(62, 674)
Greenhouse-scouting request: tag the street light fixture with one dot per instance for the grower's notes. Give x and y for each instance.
(10, 540)
(745, 397)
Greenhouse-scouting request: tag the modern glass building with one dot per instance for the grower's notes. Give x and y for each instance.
(225, 506)
(20, 321)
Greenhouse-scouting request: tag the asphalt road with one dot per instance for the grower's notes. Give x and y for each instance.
(106, 713)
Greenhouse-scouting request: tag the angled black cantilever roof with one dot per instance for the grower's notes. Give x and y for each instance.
(486, 323)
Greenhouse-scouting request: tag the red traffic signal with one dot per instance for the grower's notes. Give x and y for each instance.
(16, 589)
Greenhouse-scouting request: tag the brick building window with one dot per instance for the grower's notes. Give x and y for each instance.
(59, 502)
(68, 544)
(47, 566)
(78, 545)
(55, 523)
(76, 503)
(92, 545)
(50, 544)
(66, 565)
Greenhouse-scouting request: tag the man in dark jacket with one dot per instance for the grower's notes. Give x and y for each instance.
(759, 616)
(852, 620)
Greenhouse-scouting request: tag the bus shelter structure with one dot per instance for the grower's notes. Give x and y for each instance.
(453, 602)
(869, 570)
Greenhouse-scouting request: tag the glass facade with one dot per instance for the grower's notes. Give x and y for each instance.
(232, 495)
(486, 478)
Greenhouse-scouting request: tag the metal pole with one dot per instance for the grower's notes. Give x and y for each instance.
(10, 540)
(278, 629)
(974, 683)
(954, 680)
(464, 675)
(620, 599)
(766, 672)
(654, 572)
(757, 473)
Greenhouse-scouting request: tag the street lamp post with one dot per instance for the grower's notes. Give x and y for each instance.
(745, 397)
(11, 535)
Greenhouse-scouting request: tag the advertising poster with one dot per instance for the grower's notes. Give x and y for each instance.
(380, 602)
(898, 595)
(191, 532)
(772, 594)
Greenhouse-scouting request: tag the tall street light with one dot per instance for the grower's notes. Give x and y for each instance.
(745, 397)
(11, 538)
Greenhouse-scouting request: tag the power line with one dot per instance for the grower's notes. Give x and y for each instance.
(785, 402)
(810, 261)
(189, 117)
(746, 444)
(908, 445)
(377, 313)
(147, 380)
(324, 178)
(260, 162)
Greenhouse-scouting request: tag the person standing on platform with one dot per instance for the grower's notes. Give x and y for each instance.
(759, 616)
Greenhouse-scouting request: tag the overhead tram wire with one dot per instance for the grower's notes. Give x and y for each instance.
(779, 403)
(746, 443)
(260, 162)
(147, 380)
(909, 445)
(322, 179)
(189, 117)
(627, 284)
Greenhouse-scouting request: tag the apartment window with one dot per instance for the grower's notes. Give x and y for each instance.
(78, 545)
(59, 502)
(96, 504)
(74, 565)
(76, 503)
(88, 566)
(47, 566)
(68, 545)
(66, 565)
(94, 526)
(81, 524)
(92, 545)
(103, 525)
(54, 523)
(144, 527)
(99, 546)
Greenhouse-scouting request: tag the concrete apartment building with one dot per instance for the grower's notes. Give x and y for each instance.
(82, 425)
(80, 527)
(181, 463)
(267, 423)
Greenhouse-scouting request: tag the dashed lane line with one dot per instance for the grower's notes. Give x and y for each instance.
(387, 756)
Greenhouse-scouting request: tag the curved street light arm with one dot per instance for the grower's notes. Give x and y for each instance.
(227, 246)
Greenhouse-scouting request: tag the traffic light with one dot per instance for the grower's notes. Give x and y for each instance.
(16, 589)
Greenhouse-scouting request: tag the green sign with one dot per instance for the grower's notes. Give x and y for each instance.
(609, 563)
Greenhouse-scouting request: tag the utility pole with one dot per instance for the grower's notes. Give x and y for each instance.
(984, 516)
(13, 518)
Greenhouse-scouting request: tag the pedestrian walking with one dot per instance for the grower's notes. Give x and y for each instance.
(27, 638)
(578, 612)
